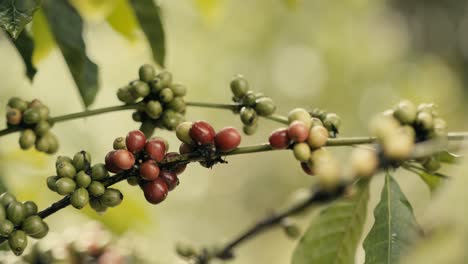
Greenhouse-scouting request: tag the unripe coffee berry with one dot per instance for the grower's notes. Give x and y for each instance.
(170, 178)
(119, 143)
(81, 160)
(6, 198)
(315, 122)
(146, 73)
(405, 112)
(251, 129)
(133, 181)
(166, 95)
(153, 109)
(124, 95)
(43, 112)
(27, 139)
(65, 169)
(53, 143)
(18, 103)
(265, 106)
(149, 170)
(65, 186)
(42, 144)
(51, 183)
(155, 191)
(2, 213)
(34, 226)
(425, 121)
(165, 79)
(249, 99)
(79, 198)
(123, 159)
(6, 227)
(318, 137)
(41, 128)
(300, 114)
(279, 138)
(183, 132)
(30, 208)
(139, 89)
(202, 133)
(298, 131)
(364, 162)
(82, 179)
(177, 104)
(227, 139)
(97, 205)
(431, 164)
(239, 86)
(332, 122)
(398, 146)
(301, 151)
(111, 197)
(31, 116)
(248, 116)
(99, 172)
(135, 141)
(17, 242)
(14, 116)
(178, 89)
(96, 188)
(156, 149)
(15, 212)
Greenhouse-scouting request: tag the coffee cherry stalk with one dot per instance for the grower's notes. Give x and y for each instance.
(144, 160)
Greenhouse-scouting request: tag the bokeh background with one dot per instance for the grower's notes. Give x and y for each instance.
(352, 57)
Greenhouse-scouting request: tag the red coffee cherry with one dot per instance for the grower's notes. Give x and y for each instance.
(155, 191)
(279, 138)
(227, 139)
(298, 131)
(306, 168)
(179, 168)
(135, 141)
(149, 170)
(202, 133)
(170, 177)
(156, 149)
(110, 165)
(123, 159)
(185, 148)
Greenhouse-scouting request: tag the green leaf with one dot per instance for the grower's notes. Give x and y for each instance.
(394, 228)
(432, 181)
(122, 20)
(15, 15)
(24, 44)
(149, 16)
(448, 157)
(334, 234)
(66, 26)
(43, 39)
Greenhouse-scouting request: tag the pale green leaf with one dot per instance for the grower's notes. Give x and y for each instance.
(334, 234)
(394, 228)
(431, 180)
(149, 16)
(43, 39)
(122, 20)
(15, 15)
(211, 10)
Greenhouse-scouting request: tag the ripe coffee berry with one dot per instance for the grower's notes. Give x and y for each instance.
(110, 164)
(155, 148)
(149, 170)
(227, 139)
(307, 168)
(155, 191)
(123, 159)
(183, 132)
(202, 133)
(185, 148)
(298, 131)
(135, 141)
(279, 138)
(170, 177)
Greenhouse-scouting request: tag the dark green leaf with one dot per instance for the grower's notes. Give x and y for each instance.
(25, 46)
(448, 157)
(15, 15)
(334, 234)
(149, 16)
(395, 226)
(67, 28)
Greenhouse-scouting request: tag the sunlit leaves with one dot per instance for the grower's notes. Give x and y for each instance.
(15, 15)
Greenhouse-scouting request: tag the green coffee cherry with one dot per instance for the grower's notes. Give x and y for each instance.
(300, 114)
(119, 143)
(96, 188)
(31, 116)
(30, 208)
(15, 212)
(153, 109)
(18, 103)
(62, 159)
(52, 183)
(14, 116)
(315, 122)
(41, 128)
(81, 160)
(124, 95)
(6, 198)
(133, 181)
(405, 112)
(111, 197)
(182, 132)
(53, 143)
(179, 90)
(82, 179)
(35, 227)
(185, 250)
(97, 205)
(165, 79)
(239, 86)
(17, 242)
(248, 116)
(290, 229)
(425, 121)
(43, 112)
(166, 95)
(249, 99)
(65, 169)
(250, 130)
(6, 227)
(79, 198)
(431, 164)
(2, 213)
(265, 106)
(42, 144)
(27, 139)
(139, 89)
(65, 186)
(177, 104)
(332, 122)
(146, 73)
(440, 127)
(301, 151)
(99, 172)
(169, 119)
(137, 116)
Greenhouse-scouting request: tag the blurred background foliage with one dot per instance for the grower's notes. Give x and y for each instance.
(353, 57)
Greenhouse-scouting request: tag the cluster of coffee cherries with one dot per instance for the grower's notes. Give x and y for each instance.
(33, 119)
(201, 137)
(331, 121)
(163, 100)
(252, 105)
(400, 128)
(19, 220)
(83, 182)
(137, 155)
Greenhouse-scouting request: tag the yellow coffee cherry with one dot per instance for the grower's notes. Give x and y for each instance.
(318, 137)
(364, 162)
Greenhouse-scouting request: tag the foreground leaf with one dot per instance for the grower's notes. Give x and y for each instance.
(431, 180)
(67, 28)
(15, 15)
(122, 20)
(43, 39)
(395, 226)
(24, 44)
(149, 16)
(334, 234)
(448, 157)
